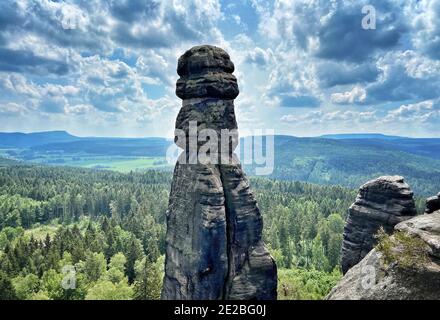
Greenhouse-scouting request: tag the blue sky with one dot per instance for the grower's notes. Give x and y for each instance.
(305, 67)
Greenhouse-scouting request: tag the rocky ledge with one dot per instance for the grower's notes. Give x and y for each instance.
(375, 278)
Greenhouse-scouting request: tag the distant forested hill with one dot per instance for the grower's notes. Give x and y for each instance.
(33, 145)
(352, 162)
(26, 140)
(107, 147)
(347, 160)
(429, 147)
(360, 136)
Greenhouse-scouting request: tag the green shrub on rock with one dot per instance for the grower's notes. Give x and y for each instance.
(407, 251)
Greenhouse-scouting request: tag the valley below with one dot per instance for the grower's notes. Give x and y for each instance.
(98, 204)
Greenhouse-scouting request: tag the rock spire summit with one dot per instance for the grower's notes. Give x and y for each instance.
(214, 226)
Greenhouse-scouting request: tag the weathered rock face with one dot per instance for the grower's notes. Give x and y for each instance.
(371, 279)
(206, 72)
(383, 202)
(433, 204)
(214, 246)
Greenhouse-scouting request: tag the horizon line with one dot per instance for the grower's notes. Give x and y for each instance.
(164, 137)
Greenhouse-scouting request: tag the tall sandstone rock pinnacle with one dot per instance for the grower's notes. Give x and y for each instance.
(383, 202)
(214, 227)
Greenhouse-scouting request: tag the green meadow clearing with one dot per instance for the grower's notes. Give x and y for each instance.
(120, 164)
(126, 165)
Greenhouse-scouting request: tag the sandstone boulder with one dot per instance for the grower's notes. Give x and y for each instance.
(433, 204)
(383, 202)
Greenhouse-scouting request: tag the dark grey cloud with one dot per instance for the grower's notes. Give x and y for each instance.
(333, 29)
(287, 92)
(331, 73)
(26, 61)
(186, 27)
(85, 25)
(95, 80)
(398, 83)
(400, 87)
(343, 38)
(302, 101)
(175, 26)
(132, 10)
(107, 102)
(129, 12)
(53, 25)
(53, 105)
(9, 14)
(426, 34)
(2, 40)
(432, 48)
(149, 38)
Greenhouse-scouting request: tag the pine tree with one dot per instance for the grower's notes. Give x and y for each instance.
(148, 280)
(135, 253)
(7, 291)
(47, 243)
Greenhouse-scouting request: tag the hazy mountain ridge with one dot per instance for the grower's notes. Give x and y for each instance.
(26, 140)
(352, 162)
(342, 136)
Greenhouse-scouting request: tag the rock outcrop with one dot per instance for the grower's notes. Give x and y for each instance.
(432, 204)
(383, 202)
(214, 227)
(373, 279)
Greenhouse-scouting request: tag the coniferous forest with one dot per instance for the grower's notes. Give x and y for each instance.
(71, 233)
